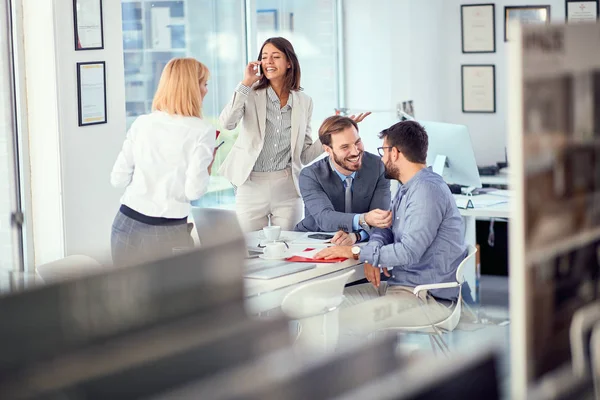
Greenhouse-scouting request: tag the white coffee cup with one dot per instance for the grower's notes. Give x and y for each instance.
(272, 232)
(274, 250)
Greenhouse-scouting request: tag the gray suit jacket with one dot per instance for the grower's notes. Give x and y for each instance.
(323, 194)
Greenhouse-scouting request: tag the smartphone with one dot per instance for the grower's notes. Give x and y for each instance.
(260, 71)
(320, 236)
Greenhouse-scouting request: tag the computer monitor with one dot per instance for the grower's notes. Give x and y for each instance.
(451, 153)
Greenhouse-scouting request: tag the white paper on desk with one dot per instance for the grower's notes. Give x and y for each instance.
(488, 201)
(501, 193)
(308, 254)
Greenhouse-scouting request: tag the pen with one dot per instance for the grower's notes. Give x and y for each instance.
(220, 144)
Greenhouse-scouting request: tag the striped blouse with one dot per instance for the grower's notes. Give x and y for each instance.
(276, 153)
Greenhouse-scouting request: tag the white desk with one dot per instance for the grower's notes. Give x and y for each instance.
(470, 215)
(263, 295)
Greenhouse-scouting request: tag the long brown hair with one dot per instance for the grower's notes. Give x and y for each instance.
(292, 75)
(178, 90)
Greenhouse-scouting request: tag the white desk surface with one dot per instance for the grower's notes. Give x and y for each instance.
(256, 287)
(501, 210)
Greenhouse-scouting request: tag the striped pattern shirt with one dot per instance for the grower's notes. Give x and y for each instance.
(276, 153)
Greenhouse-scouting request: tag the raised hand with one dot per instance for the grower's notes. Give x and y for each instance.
(358, 118)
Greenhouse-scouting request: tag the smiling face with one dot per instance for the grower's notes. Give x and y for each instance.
(274, 63)
(346, 150)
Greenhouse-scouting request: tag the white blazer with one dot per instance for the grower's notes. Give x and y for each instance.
(252, 110)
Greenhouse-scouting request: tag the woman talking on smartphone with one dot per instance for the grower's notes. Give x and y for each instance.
(275, 139)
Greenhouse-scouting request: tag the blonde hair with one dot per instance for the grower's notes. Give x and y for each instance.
(178, 90)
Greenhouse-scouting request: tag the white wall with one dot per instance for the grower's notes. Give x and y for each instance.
(44, 148)
(398, 50)
(377, 73)
(488, 131)
(73, 202)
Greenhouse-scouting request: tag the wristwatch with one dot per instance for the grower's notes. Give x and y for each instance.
(355, 252)
(363, 224)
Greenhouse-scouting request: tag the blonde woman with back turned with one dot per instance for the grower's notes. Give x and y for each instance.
(165, 164)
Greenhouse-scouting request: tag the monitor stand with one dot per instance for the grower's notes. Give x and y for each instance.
(440, 162)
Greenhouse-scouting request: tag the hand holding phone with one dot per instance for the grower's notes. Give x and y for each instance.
(252, 73)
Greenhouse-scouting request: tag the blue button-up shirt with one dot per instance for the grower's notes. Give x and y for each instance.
(355, 222)
(425, 243)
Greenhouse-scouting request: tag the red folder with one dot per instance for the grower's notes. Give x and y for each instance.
(314, 260)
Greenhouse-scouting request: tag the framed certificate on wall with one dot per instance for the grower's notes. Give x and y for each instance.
(478, 28)
(91, 93)
(88, 29)
(525, 15)
(478, 88)
(581, 11)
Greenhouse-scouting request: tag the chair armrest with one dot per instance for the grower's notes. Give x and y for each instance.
(420, 288)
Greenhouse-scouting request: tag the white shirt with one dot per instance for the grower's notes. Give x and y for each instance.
(163, 164)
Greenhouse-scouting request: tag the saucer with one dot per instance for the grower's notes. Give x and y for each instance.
(281, 257)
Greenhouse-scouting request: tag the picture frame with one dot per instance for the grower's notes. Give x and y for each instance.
(526, 14)
(267, 20)
(478, 28)
(478, 88)
(582, 11)
(88, 25)
(91, 93)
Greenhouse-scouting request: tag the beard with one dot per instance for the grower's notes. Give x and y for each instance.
(391, 171)
(346, 164)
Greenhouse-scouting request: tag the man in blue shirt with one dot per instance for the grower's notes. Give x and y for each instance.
(425, 243)
(347, 191)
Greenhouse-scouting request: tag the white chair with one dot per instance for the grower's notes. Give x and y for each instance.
(316, 307)
(68, 268)
(448, 324)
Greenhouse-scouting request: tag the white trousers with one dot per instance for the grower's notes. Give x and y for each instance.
(267, 193)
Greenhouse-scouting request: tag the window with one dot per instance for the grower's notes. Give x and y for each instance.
(10, 233)
(215, 32)
(209, 30)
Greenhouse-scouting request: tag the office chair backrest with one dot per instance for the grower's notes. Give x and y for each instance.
(74, 266)
(315, 297)
(583, 322)
(213, 224)
(460, 273)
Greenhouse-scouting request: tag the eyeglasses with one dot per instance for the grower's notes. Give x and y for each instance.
(380, 150)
